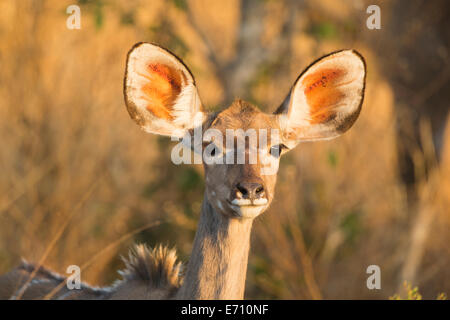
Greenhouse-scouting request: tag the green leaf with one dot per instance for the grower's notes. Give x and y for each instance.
(351, 226)
(98, 15)
(180, 4)
(188, 179)
(332, 158)
(324, 30)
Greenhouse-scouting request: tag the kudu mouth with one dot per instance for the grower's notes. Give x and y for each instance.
(248, 208)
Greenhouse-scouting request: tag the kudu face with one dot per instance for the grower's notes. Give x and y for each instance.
(241, 146)
(242, 183)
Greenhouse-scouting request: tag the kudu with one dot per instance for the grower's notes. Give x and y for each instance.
(161, 97)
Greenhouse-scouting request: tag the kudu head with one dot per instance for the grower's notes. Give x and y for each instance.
(240, 145)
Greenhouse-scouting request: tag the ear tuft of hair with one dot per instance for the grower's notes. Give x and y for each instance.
(157, 267)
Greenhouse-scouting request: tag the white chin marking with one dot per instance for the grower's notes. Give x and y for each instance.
(241, 202)
(247, 202)
(260, 202)
(248, 211)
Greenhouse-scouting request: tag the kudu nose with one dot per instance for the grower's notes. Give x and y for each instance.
(250, 190)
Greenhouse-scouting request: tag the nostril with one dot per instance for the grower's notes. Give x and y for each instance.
(242, 189)
(259, 190)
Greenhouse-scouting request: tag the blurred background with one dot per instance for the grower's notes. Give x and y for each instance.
(78, 178)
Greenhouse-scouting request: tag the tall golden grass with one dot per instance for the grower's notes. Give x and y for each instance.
(73, 163)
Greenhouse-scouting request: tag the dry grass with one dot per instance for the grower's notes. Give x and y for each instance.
(70, 151)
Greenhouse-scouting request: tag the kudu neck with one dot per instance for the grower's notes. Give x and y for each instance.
(218, 264)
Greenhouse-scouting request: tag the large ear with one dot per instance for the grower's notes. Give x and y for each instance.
(160, 92)
(325, 100)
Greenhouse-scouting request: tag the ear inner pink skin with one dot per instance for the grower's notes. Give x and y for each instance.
(162, 89)
(321, 93)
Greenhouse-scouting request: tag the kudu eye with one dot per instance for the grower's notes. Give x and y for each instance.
(276, 150)
(214, 149)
